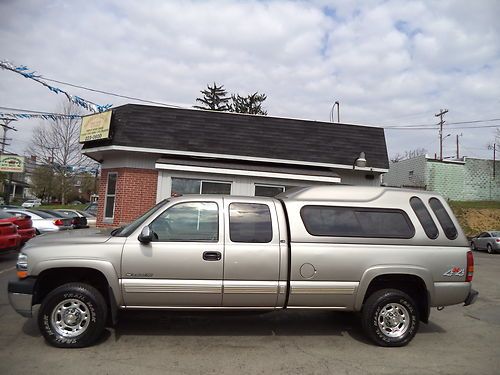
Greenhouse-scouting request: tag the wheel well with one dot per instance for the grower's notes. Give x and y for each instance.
(412, 285)
(50, 279)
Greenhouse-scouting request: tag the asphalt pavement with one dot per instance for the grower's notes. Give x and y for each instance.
(458, 340)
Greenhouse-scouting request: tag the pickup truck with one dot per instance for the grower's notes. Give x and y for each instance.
(389, 254)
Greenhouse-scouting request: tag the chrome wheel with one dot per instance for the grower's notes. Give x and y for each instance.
(70, 317)
(393, 320)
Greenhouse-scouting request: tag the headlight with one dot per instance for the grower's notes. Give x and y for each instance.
(22, 266)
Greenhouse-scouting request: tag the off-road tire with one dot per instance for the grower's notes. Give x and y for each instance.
(72, 316)
(406, 315)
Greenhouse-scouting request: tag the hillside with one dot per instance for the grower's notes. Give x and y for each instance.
(476, 217)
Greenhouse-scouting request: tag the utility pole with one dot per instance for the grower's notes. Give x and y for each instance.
(441, 123)
(458, 146)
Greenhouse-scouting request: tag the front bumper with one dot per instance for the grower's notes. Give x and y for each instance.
(21, 295)
(471, 298)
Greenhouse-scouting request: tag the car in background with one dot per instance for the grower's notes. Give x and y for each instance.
(24, 225)
(91, 208)
(44, 222)
(9, 237)
(77, 221)
(489, 241)
(86, 219)
(32, 203)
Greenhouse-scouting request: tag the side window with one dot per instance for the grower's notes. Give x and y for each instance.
(188, 222)
(444, 219)
(109, 209)
(356, 222)
(250, 222)
(424, 217)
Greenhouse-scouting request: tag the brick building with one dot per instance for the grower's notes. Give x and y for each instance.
(469, 179)
(152, 153)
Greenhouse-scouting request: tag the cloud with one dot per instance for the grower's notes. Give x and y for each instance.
(387, 62)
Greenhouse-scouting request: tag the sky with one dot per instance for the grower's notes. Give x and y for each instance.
(388, 63)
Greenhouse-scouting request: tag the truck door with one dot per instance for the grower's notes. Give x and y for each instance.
(252, 253)
(183, 265)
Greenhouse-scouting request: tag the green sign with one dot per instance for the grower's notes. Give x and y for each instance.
(12, 163)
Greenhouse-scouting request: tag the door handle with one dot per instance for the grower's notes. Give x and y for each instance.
(212, 255)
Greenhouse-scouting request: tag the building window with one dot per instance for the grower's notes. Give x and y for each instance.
(356, 222)
(188, 222)
(109, 209)
(181, 186)
(250, 222)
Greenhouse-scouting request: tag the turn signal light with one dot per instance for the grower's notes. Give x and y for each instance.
(22, 274)
(470, 266)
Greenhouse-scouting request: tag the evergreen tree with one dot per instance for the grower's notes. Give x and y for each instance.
(251, 104)
(214, 98)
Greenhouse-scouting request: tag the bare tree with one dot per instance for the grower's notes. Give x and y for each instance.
(410, 154)
(56, 143)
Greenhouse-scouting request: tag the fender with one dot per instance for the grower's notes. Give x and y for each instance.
(105, 267)
(379, 270)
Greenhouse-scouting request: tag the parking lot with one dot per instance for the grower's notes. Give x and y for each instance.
(458, 340)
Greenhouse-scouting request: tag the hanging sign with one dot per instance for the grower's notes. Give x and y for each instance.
(11, 163)
(95, 127)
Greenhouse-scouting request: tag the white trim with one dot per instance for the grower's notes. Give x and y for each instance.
(239, 172)
(227, 156)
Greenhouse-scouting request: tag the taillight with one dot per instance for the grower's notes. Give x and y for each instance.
(498, 239)
(73, 221)
(58, 222)
(470, 266)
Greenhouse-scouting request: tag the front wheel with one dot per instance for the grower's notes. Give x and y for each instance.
(390, 318)
(473, 246)
(490, 249)
(72, 316)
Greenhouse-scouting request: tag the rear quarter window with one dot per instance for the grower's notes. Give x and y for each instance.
(363, 222)
(444, 219)
(424, 217)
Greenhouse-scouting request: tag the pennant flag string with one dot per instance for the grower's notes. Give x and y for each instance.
(45, 116)
(25, 72)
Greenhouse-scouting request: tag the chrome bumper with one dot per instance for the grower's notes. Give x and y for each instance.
(21, 296)
(471, 298)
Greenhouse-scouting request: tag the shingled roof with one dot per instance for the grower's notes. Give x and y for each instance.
(209, 132)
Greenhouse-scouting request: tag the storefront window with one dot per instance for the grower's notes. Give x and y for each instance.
(109, 209)
(181, 186)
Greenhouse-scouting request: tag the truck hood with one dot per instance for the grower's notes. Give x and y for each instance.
(72, 237)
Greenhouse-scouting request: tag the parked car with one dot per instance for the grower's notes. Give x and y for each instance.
(24, 225)
(489, 241)
(79, 219)
(9, 237)
(91, 208)
(32, 203)
(44, 222)
(347, 248)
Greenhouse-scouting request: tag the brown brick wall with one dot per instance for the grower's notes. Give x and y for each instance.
(135, 194)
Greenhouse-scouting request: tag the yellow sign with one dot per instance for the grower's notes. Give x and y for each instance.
(11, 163)
(95, 127)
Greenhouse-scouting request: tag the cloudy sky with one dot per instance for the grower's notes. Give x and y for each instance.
(388, 63)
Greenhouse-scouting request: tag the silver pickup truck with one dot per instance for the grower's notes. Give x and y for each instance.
(390, 254)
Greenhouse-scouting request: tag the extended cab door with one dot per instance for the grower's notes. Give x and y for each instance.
(183, 265)
(253, 256)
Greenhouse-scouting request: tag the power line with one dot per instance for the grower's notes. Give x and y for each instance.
(436, 126)
(110, 93)
(35, 112)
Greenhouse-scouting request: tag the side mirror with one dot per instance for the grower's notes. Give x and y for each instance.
(146, 235)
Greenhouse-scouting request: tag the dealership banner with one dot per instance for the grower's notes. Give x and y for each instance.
(11, 163)
(95, 127)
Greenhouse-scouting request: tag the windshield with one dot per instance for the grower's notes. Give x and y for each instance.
(495, 234)
(128, 229)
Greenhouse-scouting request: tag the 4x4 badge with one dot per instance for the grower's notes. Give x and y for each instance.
(455, 271)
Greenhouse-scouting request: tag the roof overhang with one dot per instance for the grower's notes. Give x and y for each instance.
(90, 151)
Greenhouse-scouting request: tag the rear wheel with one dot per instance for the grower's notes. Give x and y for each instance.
(390, 318)
(473, 246)
(72, 316)
(490, 249)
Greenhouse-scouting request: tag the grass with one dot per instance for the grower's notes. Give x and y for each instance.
(68, 206)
